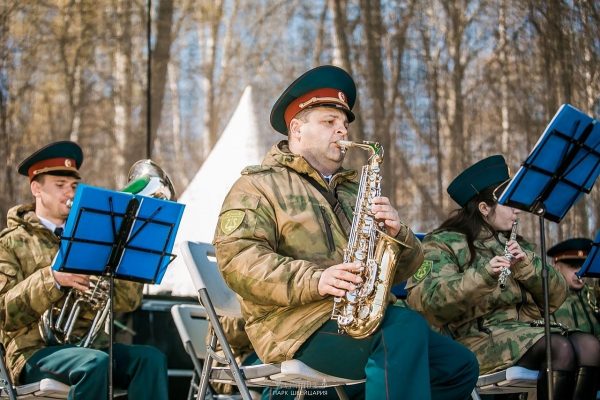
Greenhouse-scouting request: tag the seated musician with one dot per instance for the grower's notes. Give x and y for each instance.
(580, 309)
(484, 287)
(280, 241)
(29, 287)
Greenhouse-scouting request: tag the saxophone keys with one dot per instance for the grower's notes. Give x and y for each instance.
(364, 311)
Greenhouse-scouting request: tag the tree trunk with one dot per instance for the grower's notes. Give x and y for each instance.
(161, 56)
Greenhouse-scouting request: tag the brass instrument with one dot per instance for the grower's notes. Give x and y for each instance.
(505, 272)
(360, 312)
(57, 324)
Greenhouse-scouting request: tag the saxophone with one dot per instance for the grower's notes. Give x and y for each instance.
(360, 312)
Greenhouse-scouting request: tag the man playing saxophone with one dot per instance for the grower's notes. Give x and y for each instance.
(29, 287)
(280, 241)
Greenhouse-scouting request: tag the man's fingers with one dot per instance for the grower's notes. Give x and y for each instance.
(349, 277)
(336, 292)
(353, 266)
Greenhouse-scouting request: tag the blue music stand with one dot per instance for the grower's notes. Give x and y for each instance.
(591, 265)
(118, 235)
(563, 165)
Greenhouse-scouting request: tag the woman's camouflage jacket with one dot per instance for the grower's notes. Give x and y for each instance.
(467, 302)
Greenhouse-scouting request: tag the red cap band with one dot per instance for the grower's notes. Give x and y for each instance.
(315, 98)
(52, 164)
(571, 254)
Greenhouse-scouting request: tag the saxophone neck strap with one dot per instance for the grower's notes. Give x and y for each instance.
(345, 223)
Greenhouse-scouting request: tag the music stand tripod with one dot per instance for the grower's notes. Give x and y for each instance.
(118, 235)
(563, 165)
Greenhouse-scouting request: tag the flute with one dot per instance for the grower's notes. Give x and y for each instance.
(505, 271)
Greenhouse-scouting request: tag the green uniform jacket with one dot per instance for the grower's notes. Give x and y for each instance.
(467, 302)
(576, 313)
(28, 289)
(275, 235)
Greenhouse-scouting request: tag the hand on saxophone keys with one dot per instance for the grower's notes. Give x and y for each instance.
(383, 211)
(339, 279)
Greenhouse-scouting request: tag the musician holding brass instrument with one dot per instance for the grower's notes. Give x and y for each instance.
(307, 291)
(459, 289)
(580, 309)
(29, 288)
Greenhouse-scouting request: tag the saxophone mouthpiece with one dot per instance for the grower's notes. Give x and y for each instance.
(344, 144)
(69, 203)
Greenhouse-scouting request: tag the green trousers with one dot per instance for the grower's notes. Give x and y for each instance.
(142, 370)
(404, 359)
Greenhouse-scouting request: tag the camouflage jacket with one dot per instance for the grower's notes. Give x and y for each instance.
(28, 289)
(275, 235)
(467, 302)
(576, 313)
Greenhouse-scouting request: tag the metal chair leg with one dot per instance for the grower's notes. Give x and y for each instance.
(341, 392)
(475, 395)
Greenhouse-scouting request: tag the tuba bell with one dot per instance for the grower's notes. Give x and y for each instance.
(57, 324)
(146, 178)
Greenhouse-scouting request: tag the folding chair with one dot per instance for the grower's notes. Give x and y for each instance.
(192, 325)
(511, 380)
(219, 300)
(44, 389)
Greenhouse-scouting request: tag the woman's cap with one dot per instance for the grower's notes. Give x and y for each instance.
(483, 174)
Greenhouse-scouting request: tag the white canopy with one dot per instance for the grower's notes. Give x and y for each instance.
(241, 144)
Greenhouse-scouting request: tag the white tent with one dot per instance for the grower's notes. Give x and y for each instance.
(241, 144)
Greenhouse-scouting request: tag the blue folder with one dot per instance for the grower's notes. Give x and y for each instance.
(563, 165)
(91, 234)
(591, 265)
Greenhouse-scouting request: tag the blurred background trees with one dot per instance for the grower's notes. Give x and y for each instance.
(442, 84)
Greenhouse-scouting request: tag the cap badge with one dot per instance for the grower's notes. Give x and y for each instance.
(67, 163)
(342, 97)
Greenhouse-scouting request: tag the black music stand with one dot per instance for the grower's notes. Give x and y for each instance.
(118, 235)
(591, 265)
(563, 165)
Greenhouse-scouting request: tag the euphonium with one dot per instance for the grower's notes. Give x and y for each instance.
(360, 312)
(57, 324)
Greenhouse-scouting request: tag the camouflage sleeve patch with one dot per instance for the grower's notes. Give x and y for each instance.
(235, 216)
(423, 271)
(231, 220)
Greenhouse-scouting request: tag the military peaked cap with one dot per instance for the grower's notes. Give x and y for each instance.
(483, 174)
(324, 86)
(570, 249)
(58, 158)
